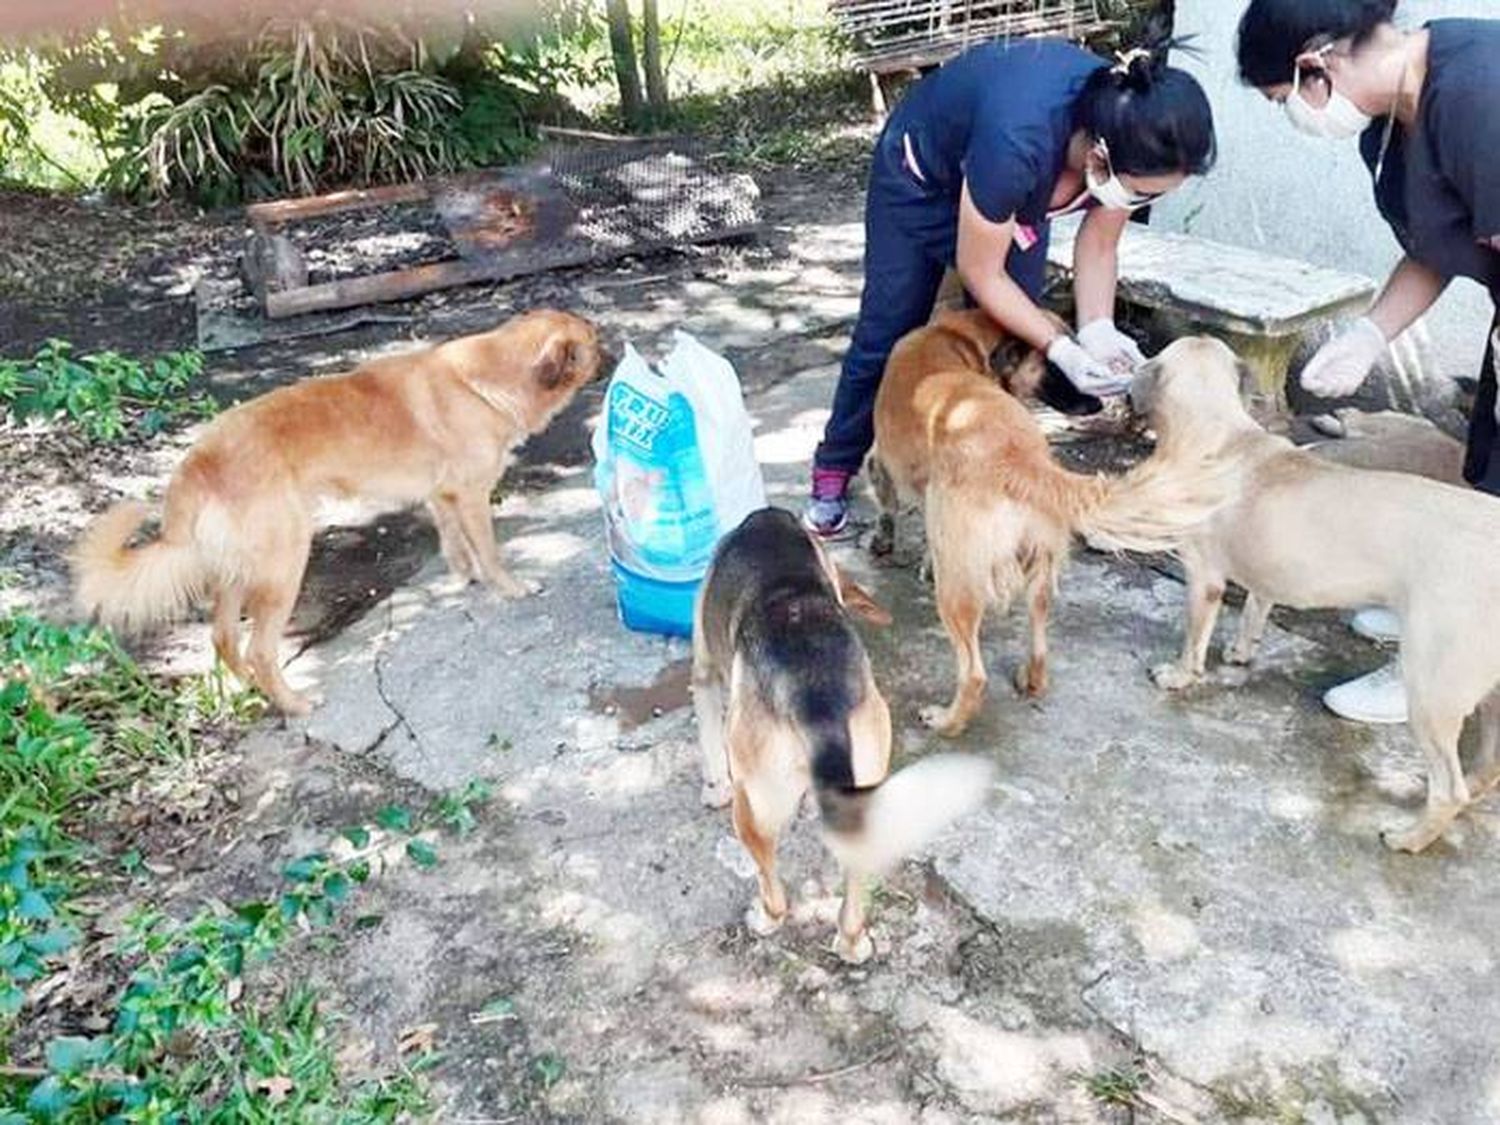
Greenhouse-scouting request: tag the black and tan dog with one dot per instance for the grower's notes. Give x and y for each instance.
(785, 699)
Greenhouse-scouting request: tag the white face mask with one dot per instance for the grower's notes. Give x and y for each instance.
(1338, 120)
(1111, 193)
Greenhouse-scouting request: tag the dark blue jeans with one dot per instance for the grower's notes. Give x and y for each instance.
(911, 236)
(1481, 464)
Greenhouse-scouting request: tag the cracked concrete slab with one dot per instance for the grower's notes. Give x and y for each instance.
(1198, 878)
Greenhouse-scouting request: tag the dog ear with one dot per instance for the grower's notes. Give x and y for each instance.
(556, 362)
(858, 601)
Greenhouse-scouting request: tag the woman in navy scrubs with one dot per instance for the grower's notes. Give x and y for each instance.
(973, 163)
(1425, 105)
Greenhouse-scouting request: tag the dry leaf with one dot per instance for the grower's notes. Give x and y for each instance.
(276, 1088)
(422, 1038)
(235, 989)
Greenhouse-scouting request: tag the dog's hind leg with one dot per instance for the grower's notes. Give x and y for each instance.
(272, 595)
(962, 610)
(1205, 596)
(228, 603)
(1253, 620)
(1447, 791)
(708, 706)
(1486, 773)
(766, 796)
(1041, 580)
(853, 944)
(887, 503)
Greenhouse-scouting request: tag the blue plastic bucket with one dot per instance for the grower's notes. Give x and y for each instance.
(652, 605)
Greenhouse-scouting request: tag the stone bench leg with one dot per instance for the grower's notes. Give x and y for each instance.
(1270, 360)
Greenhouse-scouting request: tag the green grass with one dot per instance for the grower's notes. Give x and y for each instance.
(105, 396)
(1117, 1085)
(200, 1028)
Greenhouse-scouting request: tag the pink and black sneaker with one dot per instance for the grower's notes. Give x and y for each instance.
(827, 512)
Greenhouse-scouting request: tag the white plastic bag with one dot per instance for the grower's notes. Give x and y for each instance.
(675, 467)
(724, 432)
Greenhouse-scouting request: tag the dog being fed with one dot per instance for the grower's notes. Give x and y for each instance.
(1000, 512)
(786, 699)
(435, 426)
(1306, 533)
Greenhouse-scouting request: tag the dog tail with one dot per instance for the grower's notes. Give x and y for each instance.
(869, 830)
(133, 588)
(1151, 508)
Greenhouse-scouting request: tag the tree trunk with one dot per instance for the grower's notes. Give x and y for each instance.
(622, 46)
(656, 80)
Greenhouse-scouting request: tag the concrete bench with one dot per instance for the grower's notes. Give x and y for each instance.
(1262, 305)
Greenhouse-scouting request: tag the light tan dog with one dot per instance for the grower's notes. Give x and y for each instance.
(436, 425)
(1000, 512)
(785, 699)
(1306, 533)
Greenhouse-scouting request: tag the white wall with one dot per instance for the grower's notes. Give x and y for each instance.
(1280, 191)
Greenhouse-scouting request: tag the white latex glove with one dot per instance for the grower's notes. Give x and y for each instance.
(1342, 364)
(1084, 371)
(1111, 347)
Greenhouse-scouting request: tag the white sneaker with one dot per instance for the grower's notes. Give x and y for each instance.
(1379, 697)
(1376, 623)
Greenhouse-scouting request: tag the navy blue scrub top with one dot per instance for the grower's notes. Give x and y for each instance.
(999, 116)
(1440, 188)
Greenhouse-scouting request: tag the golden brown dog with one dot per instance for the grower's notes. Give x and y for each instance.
(1000, 512)
(1308, 534)
(437, 426)
(785, 698)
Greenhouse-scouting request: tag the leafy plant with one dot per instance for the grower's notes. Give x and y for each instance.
(77, 715)
(185, 1041)
(456, 810)
(106, 395)
(1117, 1085)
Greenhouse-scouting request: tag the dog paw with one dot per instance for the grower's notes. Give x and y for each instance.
(1239, 653)
(510, 587)
(1172, 677)
(716, 795)
(294, 706)
(1031, 682)
(1481, 782)
(855, 952)
(1423, 834)
(759, 921)
(941, 719)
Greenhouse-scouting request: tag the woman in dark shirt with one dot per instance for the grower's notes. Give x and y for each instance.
(1425, 105)
(973, 163)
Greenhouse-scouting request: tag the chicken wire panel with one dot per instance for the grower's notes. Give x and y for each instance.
(631, 194)
(895, 33)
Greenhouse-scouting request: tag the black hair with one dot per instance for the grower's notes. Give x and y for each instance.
(1155, 118)
(1274, 32)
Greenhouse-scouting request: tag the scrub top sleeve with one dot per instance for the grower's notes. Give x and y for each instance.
(1001, 177)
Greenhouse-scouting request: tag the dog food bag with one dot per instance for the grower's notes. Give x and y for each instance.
(675, 467)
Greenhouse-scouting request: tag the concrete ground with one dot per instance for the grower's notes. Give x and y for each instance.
(1171, 909)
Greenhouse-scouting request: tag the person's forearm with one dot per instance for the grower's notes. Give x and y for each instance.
(1095, 267)
(1008, 305)
(1411, 290)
